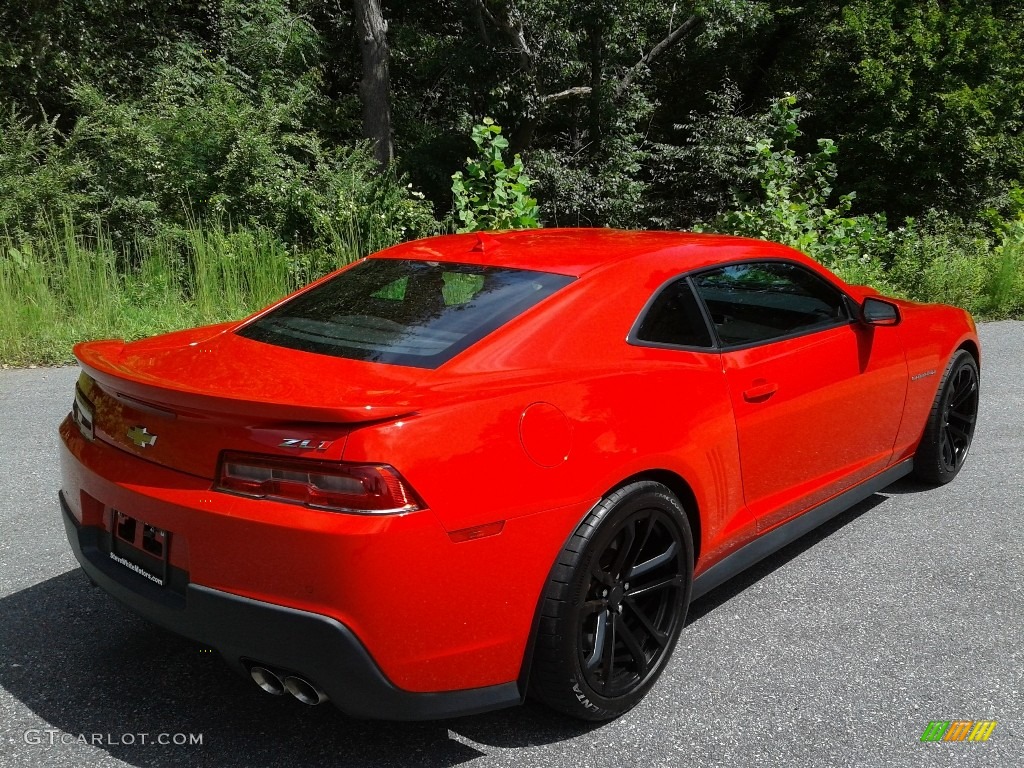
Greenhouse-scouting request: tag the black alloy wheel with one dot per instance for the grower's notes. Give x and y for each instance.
(615, 605)
(951, 423)
(960, 414)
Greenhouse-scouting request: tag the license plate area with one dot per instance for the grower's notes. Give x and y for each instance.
(140, 547)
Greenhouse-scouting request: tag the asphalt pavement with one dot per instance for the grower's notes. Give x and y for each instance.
(837, 651)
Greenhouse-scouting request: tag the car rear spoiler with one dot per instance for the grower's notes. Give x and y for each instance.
(99, 360)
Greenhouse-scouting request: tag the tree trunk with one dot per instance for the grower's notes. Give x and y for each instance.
(375, 87)
(506, 17)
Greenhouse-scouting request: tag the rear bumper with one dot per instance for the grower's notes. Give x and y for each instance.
(319, 648)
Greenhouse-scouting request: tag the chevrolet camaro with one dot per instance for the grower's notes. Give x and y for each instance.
(477, 467)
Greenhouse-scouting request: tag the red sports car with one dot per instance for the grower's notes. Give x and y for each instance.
(476, 467)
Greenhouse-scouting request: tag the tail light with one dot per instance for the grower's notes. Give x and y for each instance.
(362, 488)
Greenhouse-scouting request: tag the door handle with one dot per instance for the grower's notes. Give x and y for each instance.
(760, 392)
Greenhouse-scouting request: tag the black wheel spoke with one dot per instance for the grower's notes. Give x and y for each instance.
(600, 575)
(646, 533)
(963, 392)
(638, 571)
(957, 433)
(659, 637)
(629, 534)
(600, 631)
(608, 655)
(947, 449)
(966, 419)
(672, 581)
(593, 606)
(632, 645)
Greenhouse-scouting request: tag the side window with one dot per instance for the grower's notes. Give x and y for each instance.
(675, 318)
(767, 300)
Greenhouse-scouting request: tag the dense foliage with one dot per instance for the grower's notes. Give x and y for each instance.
(882, 136)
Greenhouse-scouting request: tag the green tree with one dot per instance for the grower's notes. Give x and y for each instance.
(926, 99)
(48, 46)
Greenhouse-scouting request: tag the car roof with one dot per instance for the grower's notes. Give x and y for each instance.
(578, 251)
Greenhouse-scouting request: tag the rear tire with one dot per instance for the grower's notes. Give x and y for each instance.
(950, 428)
(615, 604)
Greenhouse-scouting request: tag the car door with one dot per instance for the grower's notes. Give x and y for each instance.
(686, 403)
(817, 397)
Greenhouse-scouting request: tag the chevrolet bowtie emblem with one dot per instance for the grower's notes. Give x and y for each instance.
(141, 437)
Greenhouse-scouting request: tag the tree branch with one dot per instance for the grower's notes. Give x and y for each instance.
(509, 22)
(568, 93)
(506, 18)
(674, 37)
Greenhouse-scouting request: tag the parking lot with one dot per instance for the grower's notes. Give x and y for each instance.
(837, 651)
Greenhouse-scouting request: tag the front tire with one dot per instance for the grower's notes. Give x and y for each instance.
(615, 604)
(950, 428)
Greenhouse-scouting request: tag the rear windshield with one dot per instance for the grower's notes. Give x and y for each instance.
(417, 313)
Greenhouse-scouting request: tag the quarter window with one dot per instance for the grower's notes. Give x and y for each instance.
(756, 302)
(675, 318)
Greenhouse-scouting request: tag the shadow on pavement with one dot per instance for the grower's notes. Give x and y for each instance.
(755, 573)
(909, 484)
(85, 665)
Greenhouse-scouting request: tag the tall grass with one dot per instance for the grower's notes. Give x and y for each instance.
(55, 289)
(1005, 285)
(63, 286)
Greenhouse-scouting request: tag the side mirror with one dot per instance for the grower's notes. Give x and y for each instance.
(875, 311)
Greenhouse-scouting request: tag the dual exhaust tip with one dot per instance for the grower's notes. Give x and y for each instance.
(276, 683)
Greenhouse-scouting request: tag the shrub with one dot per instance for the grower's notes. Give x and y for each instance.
(939, 258)
(491, 194)
(601, 176)
(37, 174)
(206, 148)
(793, 204)
(1005, 284)
(698, 178)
